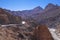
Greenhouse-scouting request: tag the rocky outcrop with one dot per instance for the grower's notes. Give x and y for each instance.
(42, 33)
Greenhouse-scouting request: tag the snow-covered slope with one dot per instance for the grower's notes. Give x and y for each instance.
(54, 35)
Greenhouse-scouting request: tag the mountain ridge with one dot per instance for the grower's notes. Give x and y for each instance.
(38, 14)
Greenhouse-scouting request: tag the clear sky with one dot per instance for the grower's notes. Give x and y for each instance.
(25, 4)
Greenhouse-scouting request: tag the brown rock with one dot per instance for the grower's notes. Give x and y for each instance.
(42, 33)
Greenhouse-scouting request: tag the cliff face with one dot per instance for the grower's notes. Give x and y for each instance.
(3, 17)
(6, 18)
(14, 19)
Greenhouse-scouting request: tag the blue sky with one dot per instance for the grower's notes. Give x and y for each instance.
(25, 4)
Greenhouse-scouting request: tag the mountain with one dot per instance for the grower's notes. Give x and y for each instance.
(50, 6)
(49, 16)
(26, 13)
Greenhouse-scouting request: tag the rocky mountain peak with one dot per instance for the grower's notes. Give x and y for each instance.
(50, 6)
(38, 8)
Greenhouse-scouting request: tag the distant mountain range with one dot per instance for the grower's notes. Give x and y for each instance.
(49, 16)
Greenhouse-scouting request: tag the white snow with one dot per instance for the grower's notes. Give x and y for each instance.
(23, 22)
(52, 30)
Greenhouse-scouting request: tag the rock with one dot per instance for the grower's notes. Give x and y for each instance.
(41, 32)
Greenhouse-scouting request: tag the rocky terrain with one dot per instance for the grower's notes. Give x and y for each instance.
(16, 32)
(11, 27)
(50, 15)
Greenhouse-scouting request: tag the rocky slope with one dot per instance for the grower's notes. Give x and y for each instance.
(16, 32)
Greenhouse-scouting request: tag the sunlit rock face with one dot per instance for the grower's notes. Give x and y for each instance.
(11, 33)
(7, 34)
(42, 33)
